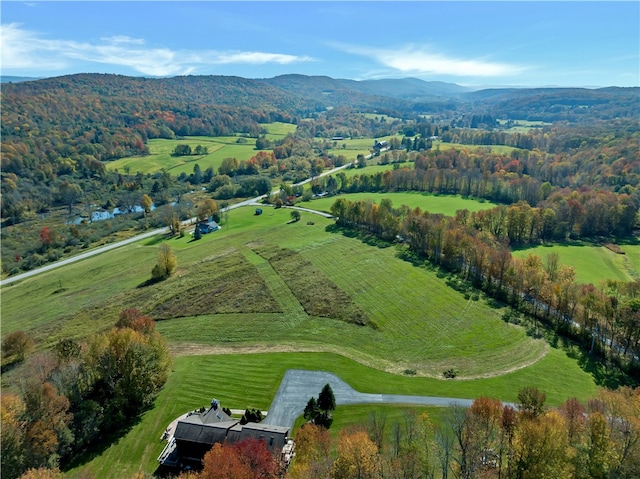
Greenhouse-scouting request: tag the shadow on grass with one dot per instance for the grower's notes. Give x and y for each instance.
(604, 374)
(154, 240)
(628, 241)
(150, 282)
(565, 244)
(98, 447)
(368, 239)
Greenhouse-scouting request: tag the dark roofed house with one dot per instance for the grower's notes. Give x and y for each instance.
(208, 227)
(198, 431)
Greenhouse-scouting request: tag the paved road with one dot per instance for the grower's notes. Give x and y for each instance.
(82, 256)
(298, 386)
(93, 252)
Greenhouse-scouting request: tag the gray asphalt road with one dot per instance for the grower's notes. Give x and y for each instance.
(82, 256)
(93, 252)
(298, 386)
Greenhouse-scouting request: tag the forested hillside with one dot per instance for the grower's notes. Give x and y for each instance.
(58, 135)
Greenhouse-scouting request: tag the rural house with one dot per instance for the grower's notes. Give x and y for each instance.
(208, 227)
(199, 430)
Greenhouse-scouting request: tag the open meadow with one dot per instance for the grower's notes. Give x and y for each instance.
(219, 148)
(500, 149)
(444, 204)
(283, 296)
(592, 263)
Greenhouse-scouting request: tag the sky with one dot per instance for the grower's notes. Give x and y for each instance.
(476, 44)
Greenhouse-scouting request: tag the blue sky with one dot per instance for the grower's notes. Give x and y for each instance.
(469, 43)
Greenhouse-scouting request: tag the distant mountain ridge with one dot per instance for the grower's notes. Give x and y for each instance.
(300, 95)
(16, 79)
(409, 88)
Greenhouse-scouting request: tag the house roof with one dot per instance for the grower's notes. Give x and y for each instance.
(199, 431)
(202, 433)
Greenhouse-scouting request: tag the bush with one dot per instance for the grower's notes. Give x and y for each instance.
(450, 373)
(17, 344)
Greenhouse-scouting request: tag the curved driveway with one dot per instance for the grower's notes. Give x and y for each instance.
(298, 386)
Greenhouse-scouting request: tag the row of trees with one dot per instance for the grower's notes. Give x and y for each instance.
(70, 397)
(185, 150)
(487, 440)
(558, 213)
(606, 317)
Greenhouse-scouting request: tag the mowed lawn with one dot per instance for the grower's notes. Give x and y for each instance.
(251, 380)
(592, 263)
(421, 324)
(444, 204)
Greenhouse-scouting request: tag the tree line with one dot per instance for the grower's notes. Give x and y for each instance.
(599, 439)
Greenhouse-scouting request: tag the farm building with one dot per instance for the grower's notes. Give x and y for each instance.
(379, 145)
(197, 432)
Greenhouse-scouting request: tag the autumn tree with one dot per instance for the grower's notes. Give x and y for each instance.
(541, 447)
(169, 216)
(130, 367)
(13, 437)
(166, 264)
(207, 209)
(134, 319)
(224, 462)
(42, 473)
(621, 408)
(69, 193)
(256, 455)
(47, 432)
(146, 202)
(312, 459)
(531, 401)
(358, 457)
(17, 344)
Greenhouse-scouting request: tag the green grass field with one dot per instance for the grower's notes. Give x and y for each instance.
(417, 323)
(524, 126)
(445, 204)
(500, 149)
(278, 130)
(219, 147)
(592, 263)
(160, 155)
(251, 380)
(432, 329)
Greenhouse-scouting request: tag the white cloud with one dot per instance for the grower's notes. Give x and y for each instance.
(422, 60)
(26, 50)
(257, 58)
